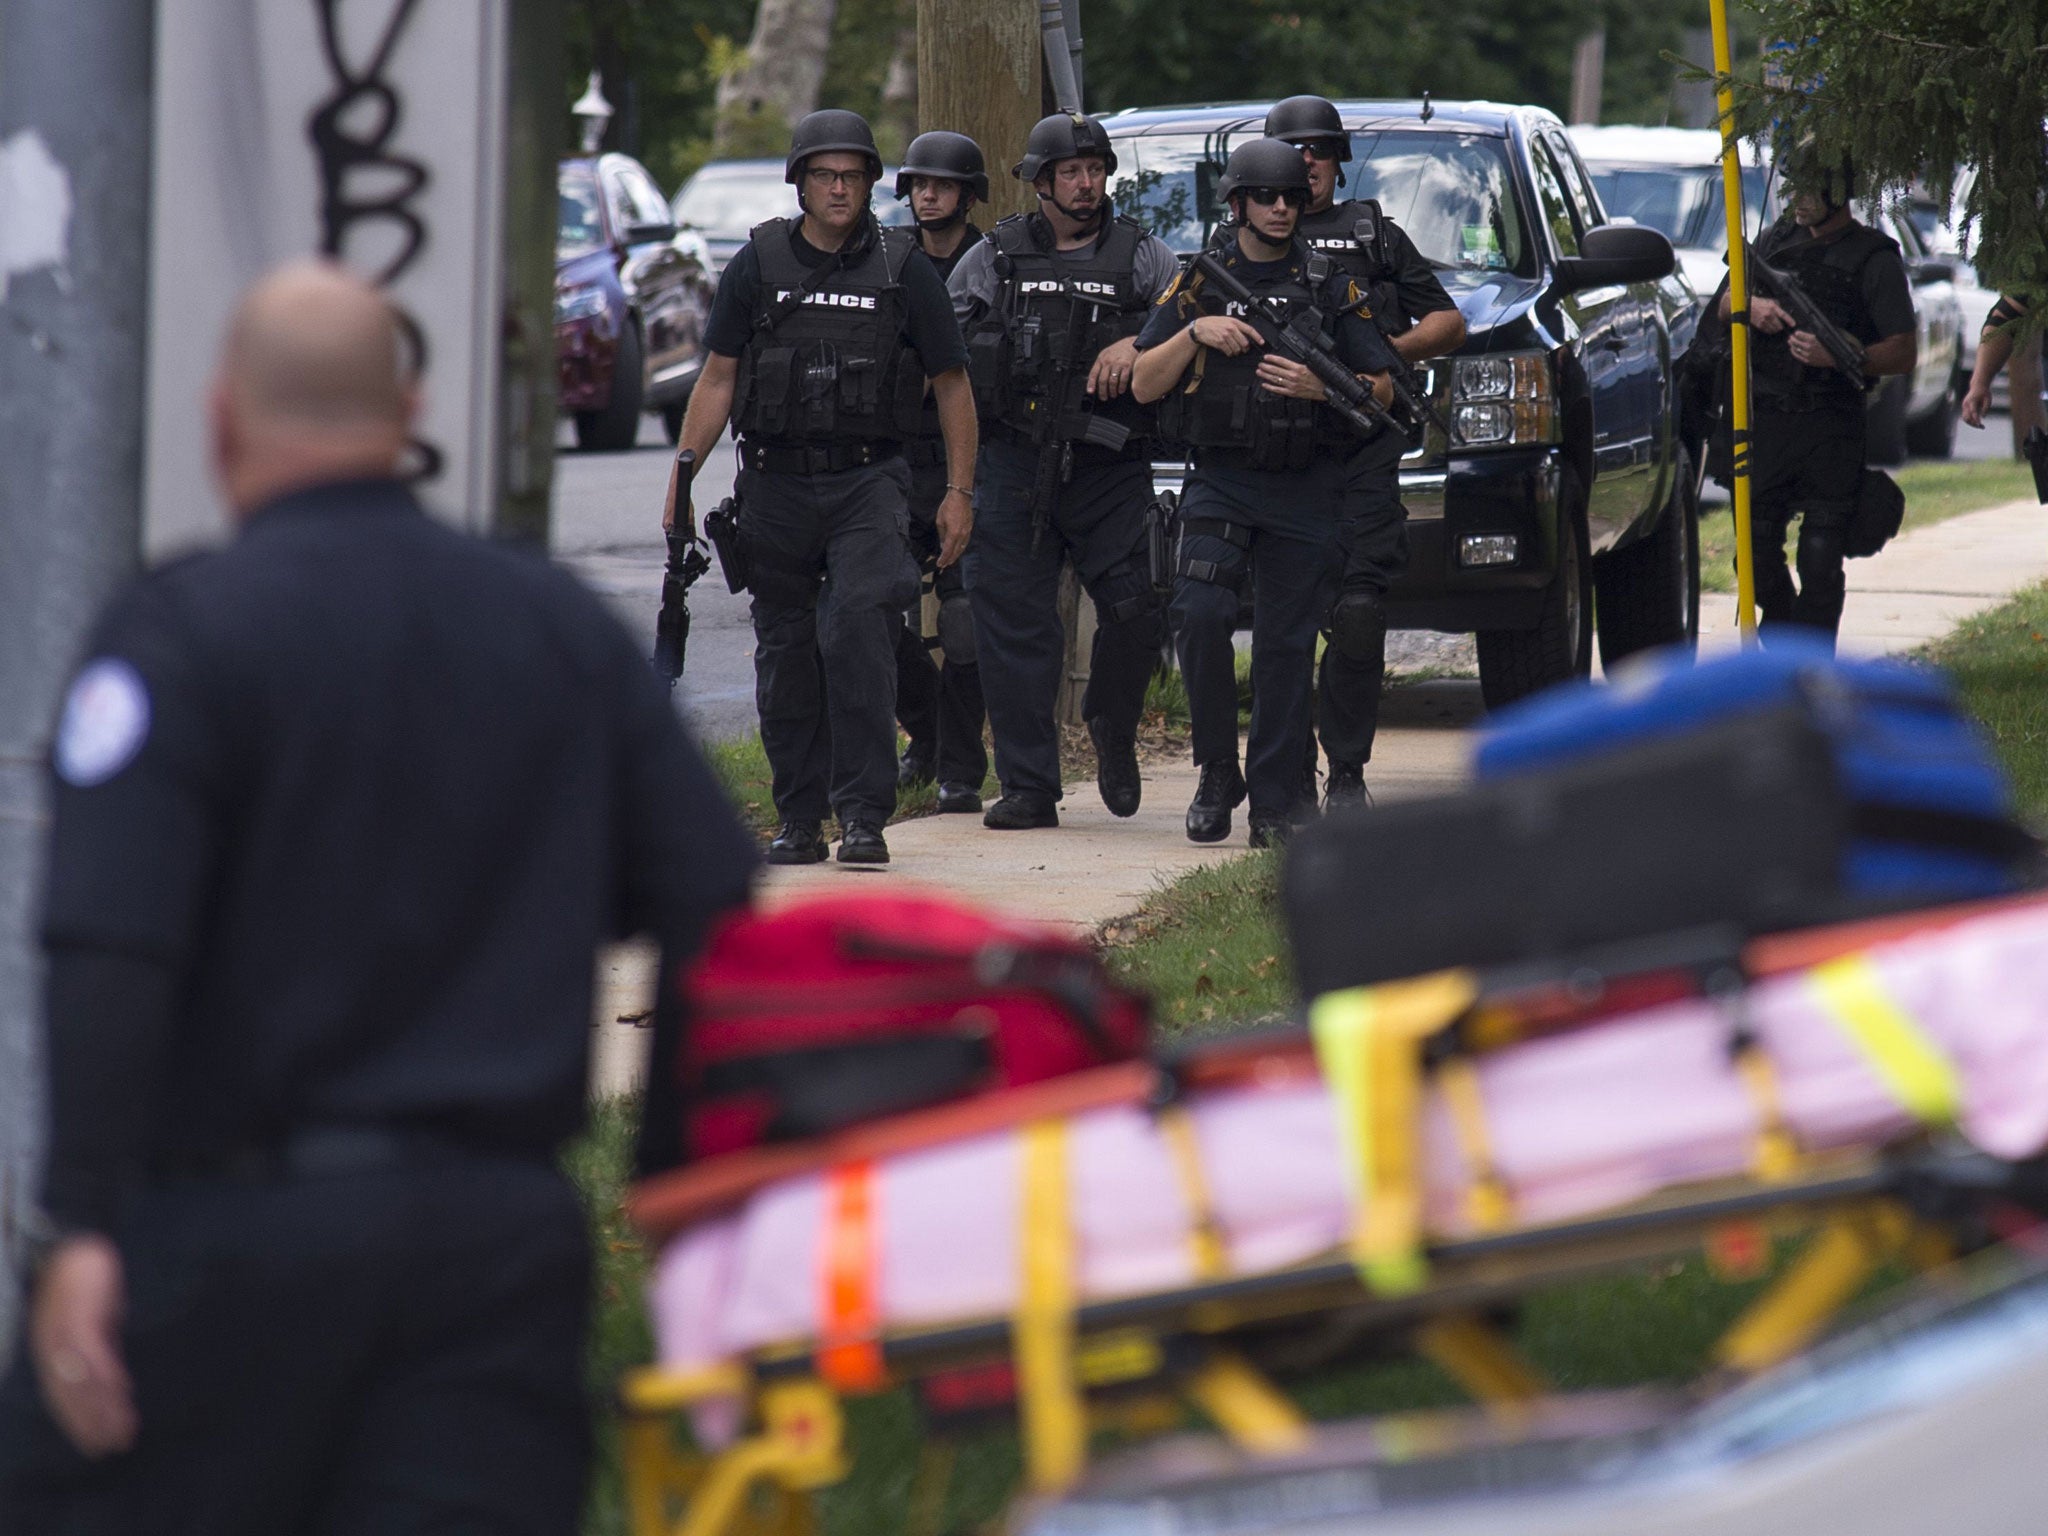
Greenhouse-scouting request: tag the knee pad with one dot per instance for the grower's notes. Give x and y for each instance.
(1821, 547)
(1358, 626)
(956, 631)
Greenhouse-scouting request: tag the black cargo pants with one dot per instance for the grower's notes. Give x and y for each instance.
(1372, 554)
(1285, 526)
(357, 1355)
(1808, 465)
(832, 574)
(940, 707)
(1097, 522)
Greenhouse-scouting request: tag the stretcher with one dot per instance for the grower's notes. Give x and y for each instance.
(1125, 1246)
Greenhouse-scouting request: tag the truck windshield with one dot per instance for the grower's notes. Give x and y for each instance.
(1681, 201)
(1452, 192)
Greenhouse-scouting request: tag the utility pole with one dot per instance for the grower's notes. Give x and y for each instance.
(978, 73)
(75, 115)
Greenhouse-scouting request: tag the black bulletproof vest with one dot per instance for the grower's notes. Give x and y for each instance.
(1831, 275)
(1029, 355)
(827, 360)
(1334, 232)
(1220, 404)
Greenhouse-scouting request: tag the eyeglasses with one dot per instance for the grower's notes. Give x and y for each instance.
(819, 176)
(1266, 197)
(1316, 149)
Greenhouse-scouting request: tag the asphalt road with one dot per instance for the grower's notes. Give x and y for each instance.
(607, 526)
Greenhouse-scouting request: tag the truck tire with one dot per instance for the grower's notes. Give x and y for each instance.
(1933, 436)
(1514, 663)
(616, 427)
(1648, 594)
(1885, 429)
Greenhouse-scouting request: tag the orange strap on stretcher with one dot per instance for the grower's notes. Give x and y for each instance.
(849, 1344)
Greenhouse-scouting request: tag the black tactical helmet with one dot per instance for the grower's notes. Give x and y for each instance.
(822, 132)
(1308, 117)
(1805, 169)
(952, 155)
(1262, 163)
(1062, 136)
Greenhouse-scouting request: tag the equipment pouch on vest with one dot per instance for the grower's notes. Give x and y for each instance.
(773, 384)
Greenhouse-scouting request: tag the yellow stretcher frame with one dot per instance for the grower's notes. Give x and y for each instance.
(1146, 1364)
(1738, 324)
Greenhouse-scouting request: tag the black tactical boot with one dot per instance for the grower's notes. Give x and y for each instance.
(1270, 831)
(1018, 811)
(1346, 786)
(1220, 792)
(1116, 766)
(860, 842)
(799, 842)
(914, 767)
(958, 799)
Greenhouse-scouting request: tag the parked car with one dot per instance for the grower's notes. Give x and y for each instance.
(1670, 179)
(632, 296)
(1945, 237)
(1570, 502)
(726, 198)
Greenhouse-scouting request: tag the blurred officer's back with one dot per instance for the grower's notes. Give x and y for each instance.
(341, 812)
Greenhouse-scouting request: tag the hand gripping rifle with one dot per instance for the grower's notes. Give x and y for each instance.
(1845, 349)
(1297, 332)
(687, 560)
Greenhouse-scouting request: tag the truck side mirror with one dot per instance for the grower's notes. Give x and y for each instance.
(1617, 254)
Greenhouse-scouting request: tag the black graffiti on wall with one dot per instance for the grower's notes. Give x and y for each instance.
(365, 184)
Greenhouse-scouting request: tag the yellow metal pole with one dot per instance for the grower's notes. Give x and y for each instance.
(1738, 328)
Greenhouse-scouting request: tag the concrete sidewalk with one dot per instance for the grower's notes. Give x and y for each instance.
(1093, 868)
(1923, 583)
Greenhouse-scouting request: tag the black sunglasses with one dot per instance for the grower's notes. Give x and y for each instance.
(1266, 197)
(1318, 149)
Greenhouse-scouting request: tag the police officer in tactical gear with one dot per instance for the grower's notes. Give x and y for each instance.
(940, 708)
(823, 336)
(1052, 303)
(1272, 471)
(1417, 316)
(1807, 428)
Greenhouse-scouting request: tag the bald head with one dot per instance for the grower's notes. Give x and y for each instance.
(312, 385)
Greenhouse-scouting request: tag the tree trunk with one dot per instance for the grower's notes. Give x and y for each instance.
(760, 102)
(978, 71)
(896, 124)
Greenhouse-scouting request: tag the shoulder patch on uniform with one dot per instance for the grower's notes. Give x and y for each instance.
(105, 722)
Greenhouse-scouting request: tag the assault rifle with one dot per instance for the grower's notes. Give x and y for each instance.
(687, 560)
(1779, 284)
(1066, 426)
(1298, 333)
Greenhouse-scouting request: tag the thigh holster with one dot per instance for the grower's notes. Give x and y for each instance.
(1215, 572)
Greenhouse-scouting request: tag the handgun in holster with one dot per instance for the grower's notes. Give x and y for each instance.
(1161, 527)
(722, 528)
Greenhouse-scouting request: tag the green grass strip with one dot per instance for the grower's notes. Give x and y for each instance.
(1935, 492)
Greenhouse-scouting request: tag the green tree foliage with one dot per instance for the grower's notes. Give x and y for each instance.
(1151, 52)
(1918, 88)
(661, 61)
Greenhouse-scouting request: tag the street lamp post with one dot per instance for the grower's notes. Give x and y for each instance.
(593, 111)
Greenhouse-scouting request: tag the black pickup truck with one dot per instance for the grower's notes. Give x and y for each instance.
(1570, 502)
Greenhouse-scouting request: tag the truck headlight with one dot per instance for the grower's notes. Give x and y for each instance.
(578, 304)
(1504, 399)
